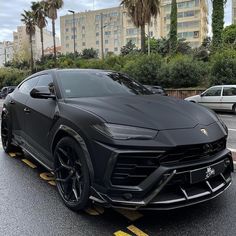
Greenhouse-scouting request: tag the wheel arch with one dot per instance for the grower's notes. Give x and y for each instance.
(65, 131)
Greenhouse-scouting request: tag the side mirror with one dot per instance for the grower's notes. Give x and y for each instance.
(42, 92)
(202, 95)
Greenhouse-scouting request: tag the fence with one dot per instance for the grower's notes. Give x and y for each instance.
(183, 93)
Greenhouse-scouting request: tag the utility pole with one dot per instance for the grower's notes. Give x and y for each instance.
(102, 45)
(73, 12)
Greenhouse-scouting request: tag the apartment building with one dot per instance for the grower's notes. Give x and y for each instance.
(109, 29)
(6, 52)
(192, 20)
(112, 28)
(22, 45)
(233, 11)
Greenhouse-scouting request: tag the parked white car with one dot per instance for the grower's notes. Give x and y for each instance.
(221, 97)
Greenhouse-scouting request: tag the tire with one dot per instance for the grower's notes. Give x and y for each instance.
(72, 174)
(6, 135)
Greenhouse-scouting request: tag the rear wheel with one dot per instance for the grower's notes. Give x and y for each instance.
(72, 174)
(6, 134)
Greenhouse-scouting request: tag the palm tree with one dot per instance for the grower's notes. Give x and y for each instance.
(38, 9)
(141, 13)
(29, 21)
(51, 7)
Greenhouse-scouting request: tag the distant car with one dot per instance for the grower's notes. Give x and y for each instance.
(156, 89)
(6, 90)
(221, 97)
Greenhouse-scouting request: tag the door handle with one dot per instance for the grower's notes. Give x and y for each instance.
(27, 110)
(12, 102)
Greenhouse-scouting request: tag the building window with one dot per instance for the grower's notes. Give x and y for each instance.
(106, 50)
(108, 33)
(83, 36)
(97, 34)
(83, 27)
(72, 37)
(97, 42)
(67, 30)
(132, 31)
(106, 41)
(67, 45)
(83, 44)
(97, 18)
(115, 49)
(67, 37)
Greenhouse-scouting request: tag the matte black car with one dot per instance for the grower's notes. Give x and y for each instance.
(108, 139)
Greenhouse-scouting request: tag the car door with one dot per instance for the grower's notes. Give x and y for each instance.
(212, 98)
(228, 98)
(16, 105)
(39, 119)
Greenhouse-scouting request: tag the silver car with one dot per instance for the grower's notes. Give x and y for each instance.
(221, 97)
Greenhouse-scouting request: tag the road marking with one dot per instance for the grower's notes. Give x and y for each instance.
(47, 176)
(12, 154)
(121, 233)
(232, 130)
(131, 215)
(136, 231)
(53, 183)
(29, 163)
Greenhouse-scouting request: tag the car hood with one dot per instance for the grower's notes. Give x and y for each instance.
(192, 97)
(151, 111)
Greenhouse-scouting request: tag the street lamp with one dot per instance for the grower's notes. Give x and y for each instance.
(73, 12)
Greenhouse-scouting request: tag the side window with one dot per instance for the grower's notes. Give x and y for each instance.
(47, 81)
(230, 91)
(28, 85)
(213, 92)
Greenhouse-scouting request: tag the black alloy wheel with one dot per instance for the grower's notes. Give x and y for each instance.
(6, 134)
(72, 174)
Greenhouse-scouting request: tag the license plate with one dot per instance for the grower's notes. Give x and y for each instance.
(206, 173)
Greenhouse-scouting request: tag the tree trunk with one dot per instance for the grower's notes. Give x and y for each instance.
(54, 39)
(41, 34)
(143, 38)
(31, 55)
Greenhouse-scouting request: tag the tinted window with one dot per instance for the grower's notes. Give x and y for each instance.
(76, 84)
(231, 91)
(213, 92)
(45, 80)
(28, 85)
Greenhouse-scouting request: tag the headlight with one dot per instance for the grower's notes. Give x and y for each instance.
(123, 132)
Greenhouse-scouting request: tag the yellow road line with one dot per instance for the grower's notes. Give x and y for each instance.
(29, 163)
(12, 154)
(121, 233)
(47, 176)
(53, 183)
(136, 231)
(129, 214)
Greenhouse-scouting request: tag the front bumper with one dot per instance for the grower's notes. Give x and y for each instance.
(163, 185)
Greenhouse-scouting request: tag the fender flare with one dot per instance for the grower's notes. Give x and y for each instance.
(82, 144)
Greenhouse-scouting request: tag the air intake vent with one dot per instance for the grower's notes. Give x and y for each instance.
(192, 153)
(132, 168)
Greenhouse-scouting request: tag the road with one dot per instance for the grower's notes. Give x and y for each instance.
(30, 205)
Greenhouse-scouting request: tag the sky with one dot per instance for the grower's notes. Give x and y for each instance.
(10, 12)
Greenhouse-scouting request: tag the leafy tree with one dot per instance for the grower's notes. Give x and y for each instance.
(173, 27)
(89, 53)
(182, 47)
(229, 35)
(29, 21)
(51, 7)
(217, 22)
(141, 13)
(38, 9)
(128, 48)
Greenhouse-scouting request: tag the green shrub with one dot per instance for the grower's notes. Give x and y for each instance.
(223, 67)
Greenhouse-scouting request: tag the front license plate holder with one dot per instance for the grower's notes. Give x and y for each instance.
(205, 173)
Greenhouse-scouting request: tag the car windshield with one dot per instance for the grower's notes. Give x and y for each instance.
(78, 84)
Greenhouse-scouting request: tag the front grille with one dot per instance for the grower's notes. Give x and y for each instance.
(132, 168)
(184, 154)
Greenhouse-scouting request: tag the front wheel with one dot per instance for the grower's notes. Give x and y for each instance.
(72, 174)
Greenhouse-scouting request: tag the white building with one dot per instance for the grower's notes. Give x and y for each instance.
(22, 44)
(6, 52)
